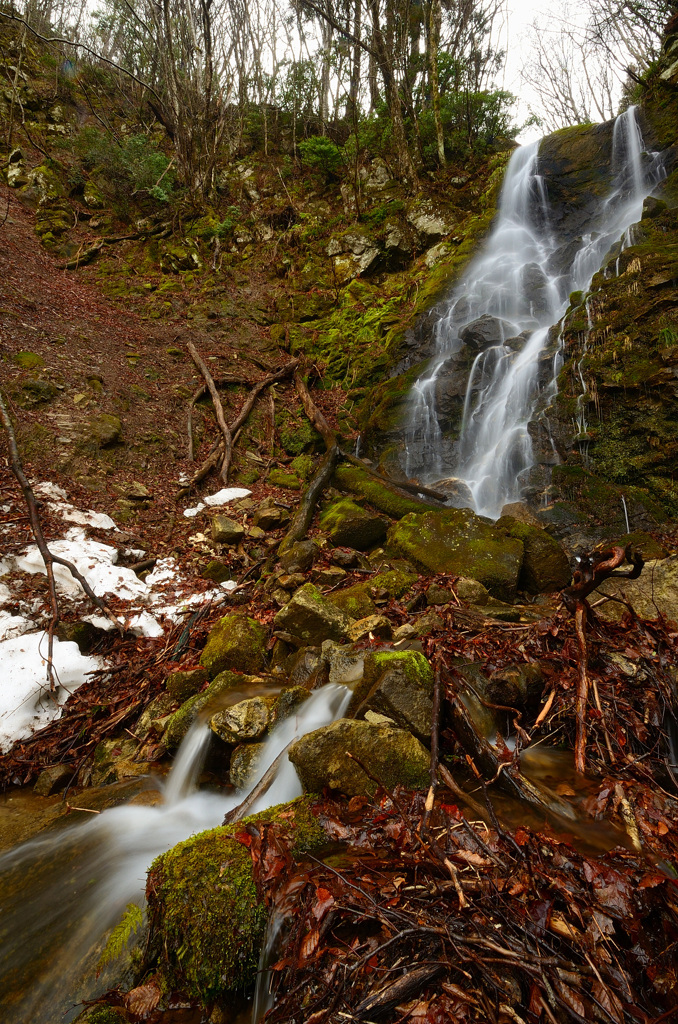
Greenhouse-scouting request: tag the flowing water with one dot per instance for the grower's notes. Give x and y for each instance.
(62, 892)
(520, 282)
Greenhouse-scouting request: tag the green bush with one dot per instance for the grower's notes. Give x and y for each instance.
(133, 165)
(322, 154)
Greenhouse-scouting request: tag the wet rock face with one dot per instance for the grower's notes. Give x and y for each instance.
(655, 592)
(486, 331)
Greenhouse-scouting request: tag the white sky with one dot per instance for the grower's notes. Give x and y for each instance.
(521, 14)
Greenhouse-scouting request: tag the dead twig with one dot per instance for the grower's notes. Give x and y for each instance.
(218, 410)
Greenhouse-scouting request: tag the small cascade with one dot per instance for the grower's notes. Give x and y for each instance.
(506, 306)
(63, 891)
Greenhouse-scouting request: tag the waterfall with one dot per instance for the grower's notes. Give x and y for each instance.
(61, 892)
(506, 304)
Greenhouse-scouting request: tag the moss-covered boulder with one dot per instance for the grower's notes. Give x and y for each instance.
(457, 541)
(236, 642)
(207, 922)
(310, 618)
(545, 565)
(403, 691)
(103, 430)
(350, 525)
(358, 600)
(393, 755)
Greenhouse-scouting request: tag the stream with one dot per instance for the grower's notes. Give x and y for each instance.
(62, 892)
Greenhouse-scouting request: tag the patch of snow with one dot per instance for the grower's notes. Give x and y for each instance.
(5, 593)
(13, 625)
(165, 569)
(50, 490)
(94, 560)
(222, 497)
(97, 520)
(25, 701)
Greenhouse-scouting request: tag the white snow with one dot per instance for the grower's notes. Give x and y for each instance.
(222, 497)
(96, 562)
(151, 605)
(25, 701)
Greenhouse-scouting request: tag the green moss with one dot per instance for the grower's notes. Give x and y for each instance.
(279, 478)
(207, 920)
(28, 360)
(358, 600)
(379, 495)
(413, 663)
(183, 717)
(303, 466)
(236, 642)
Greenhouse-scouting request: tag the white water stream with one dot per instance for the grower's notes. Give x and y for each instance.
(520, 281)
(63, 891)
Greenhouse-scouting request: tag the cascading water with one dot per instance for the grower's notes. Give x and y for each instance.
(508, 300)
(62, 892)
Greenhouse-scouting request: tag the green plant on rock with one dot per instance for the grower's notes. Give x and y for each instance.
(134, 163)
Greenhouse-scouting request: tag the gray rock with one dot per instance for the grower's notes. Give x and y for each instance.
(428, 222)
(457, 491)
(486, 331)
(655, 592)
(349, 523)
(245, 762)
(154, 715)
(376, 625)
(310, 619)
(269, 517)
(403, 696)
(393, 756)
(182, 685)
(226, 530)
(247, 720)
(299, 557)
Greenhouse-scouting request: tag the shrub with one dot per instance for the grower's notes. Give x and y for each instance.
(322, 154)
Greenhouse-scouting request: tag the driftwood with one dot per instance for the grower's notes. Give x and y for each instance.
(49, 558)
(593, 570)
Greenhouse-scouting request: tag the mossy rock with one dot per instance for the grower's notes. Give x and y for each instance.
(393, 755)
(104, 430)
(186, 683)
(183, 717)
(310, 618)
(102, 1014)
(28, 360)
(303, 466)
(207, 921)
(349, 525)
(358, 599)
(545, 565)
(236, 642)
(279, 478)
(458, 542)
(380, 495)
(217, 571)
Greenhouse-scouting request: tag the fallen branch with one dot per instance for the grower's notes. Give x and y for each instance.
(314, 414)
(403, 485)
(49, 559)
(218, 410)
(304, 514)
(594, 569)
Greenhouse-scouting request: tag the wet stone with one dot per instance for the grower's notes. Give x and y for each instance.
(53, 780)
(226, 530)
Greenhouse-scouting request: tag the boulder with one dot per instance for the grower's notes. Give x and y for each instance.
(654, 593)
(404, 693)
(236, 642)
(226, 530)
(375, 625)
(309, 618)
(269, 517)
(471, 591)
(457, 491)
(220, 687)
(349, 524)
(245, 761)
(154, 716)
(248, 720)
(207, 920)
(545, 566)
(104, 429)
(299, 556)
(515, 685)
(393, 755)
(358, 600)
(429, 222)
(53, 779)
(486, 331)
(457, 541)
